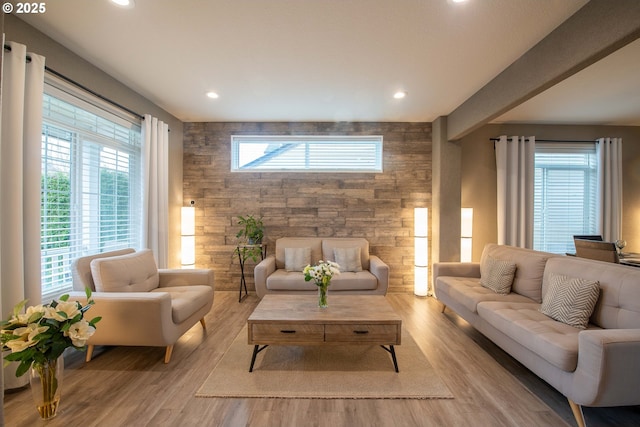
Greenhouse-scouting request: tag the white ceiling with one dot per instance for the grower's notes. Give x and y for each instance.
(333, 60)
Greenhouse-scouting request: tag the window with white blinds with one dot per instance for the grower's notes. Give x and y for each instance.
(306, 153)
(91, 184)
(564, 196)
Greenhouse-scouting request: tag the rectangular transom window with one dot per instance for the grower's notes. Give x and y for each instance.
(306, 153)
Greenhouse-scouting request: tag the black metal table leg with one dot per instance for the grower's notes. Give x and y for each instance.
(256, 349)
(392, 350)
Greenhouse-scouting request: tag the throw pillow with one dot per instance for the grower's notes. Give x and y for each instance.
(296, 259)
(497, 275)
(570, 300)
(134, 272)
(348, 259)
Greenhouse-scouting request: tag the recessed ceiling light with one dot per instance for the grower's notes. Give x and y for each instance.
(459, 1)
(400, 94)
(124, 3)
(213, 95)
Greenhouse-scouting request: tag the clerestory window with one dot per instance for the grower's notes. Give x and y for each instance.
(306, 153)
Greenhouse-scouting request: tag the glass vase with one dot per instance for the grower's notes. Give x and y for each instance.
(322, 297)
(46, 385)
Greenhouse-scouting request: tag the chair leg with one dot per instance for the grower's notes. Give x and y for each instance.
(87, 358)
(577, 413)
(167, 353)
(204, 325)
(444, 306)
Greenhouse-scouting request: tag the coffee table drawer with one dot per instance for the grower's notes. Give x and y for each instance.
(378, 334)
(283, 333)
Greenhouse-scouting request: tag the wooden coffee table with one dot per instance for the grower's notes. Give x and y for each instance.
(349, 319)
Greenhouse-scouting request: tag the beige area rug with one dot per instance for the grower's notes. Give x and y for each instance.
(325, 372)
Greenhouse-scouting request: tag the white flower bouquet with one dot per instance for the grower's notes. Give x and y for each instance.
(43, 332)
(322, 273)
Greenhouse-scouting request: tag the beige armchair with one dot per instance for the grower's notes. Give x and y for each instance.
(141, 305)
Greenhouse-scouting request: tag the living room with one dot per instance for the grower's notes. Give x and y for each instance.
(422, 168)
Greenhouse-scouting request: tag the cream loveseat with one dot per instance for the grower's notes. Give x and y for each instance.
(141, 305)
(360, 272)
(595, 366)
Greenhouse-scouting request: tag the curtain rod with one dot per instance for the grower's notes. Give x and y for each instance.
(81, 86)
(554, 140)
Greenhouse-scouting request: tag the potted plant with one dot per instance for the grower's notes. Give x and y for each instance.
(251, 235)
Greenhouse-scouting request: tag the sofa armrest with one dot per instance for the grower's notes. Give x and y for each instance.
(607, 368)
(129, 318)
(186, 277)
(456, 269)
(261, 271)
(380, 269)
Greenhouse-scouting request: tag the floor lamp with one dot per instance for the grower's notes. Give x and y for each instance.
(421, 251)
(466, 235)
(188, 235)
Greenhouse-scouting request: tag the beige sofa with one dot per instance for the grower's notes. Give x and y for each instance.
(141, 305)
(596, 366)
(279, 274)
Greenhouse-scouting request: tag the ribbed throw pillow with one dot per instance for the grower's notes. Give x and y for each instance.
(296, 259)
(348, 259)
(570, 300)
(497, 275)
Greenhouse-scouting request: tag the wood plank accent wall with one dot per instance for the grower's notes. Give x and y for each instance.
(378, 207)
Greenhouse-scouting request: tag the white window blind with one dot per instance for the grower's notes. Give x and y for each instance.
(91, 185)
(565, 195)
(306, 153)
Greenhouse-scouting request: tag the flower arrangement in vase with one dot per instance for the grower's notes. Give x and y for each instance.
(321, 274)
(38, 337)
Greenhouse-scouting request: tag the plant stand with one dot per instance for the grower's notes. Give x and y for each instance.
(241, 249)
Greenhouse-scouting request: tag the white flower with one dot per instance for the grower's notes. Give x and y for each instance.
(24, 317)
(70, 308)
(25, 337)
(80, 332)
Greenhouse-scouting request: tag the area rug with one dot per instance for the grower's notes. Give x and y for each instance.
(324, 372)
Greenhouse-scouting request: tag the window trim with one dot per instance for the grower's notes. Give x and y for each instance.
(236, 140)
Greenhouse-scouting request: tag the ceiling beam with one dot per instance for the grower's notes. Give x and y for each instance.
(596, 30)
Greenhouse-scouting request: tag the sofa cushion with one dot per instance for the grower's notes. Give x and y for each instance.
(570, 300)
(553, 341)
(186, 300)
(468, 292)
(282, 280)
(296, 259)
(619, 304)
(530, 266)
(315, 243)
(497, 275)
(81, 269)
(354, 281)
(329, 245)
(348, 259)
(136, 272)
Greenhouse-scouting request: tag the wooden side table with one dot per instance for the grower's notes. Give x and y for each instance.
(241, 250)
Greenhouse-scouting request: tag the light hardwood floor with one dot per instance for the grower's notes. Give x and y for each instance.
(132, 386)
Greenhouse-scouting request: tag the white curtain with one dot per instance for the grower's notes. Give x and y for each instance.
(20, 144)
(156, 188)
(515, 158)
(609, 152)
